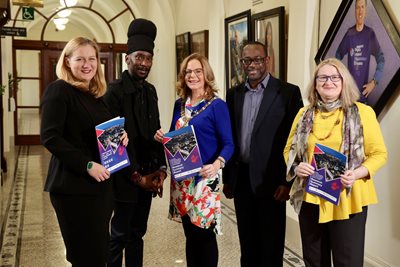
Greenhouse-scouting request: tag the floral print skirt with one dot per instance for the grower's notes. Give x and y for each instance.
(200, 199)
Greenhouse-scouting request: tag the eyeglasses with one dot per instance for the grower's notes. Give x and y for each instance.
(247, 61)
(141, 58)
(333, 78)
(197, 72)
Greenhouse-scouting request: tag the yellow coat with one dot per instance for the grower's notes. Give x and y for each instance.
(363, 191)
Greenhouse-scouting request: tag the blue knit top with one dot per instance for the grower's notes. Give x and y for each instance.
(213, 130)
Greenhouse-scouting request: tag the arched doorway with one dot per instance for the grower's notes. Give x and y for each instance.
(35, 57)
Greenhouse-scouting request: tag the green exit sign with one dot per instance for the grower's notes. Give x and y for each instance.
(28, 13)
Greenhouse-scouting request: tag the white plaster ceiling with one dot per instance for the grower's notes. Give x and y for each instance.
(98, 19)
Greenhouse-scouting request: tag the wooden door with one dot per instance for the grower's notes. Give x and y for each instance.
(28, 116)
(26, 93)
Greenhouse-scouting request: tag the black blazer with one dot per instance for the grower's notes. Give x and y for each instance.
(280, 104)
(68, 121)
(138, 103)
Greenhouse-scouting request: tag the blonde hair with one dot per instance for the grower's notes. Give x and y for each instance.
(97, 86)
(349, 94)
(183, 90)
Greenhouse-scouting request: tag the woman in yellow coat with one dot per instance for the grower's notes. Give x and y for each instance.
(334, 119)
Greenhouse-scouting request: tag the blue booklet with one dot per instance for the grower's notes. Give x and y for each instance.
(182, 152)
(325, 182)
(113, 154)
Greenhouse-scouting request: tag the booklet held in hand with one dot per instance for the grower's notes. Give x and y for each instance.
(182, 152)
(325, 182)
(113, 154)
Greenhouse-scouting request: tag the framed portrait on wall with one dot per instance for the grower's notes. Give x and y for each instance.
(237, 31)
(182, 48)
(369, 46)
(199, 43)
(269, 29)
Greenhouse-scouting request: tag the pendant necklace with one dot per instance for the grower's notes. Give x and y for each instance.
(331, 130)
(325, 116)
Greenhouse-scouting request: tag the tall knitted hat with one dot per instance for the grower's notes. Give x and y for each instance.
(141, 35)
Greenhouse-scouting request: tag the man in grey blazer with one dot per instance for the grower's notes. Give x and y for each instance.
(262, 111)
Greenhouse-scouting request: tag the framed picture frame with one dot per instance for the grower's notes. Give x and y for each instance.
(199, 43)
(269, 29)
(237, 33)
(182, 48)
(386, 73)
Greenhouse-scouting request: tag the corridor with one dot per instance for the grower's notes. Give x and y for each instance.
(30, 236)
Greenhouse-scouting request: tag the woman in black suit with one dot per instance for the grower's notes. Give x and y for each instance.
(80, 188)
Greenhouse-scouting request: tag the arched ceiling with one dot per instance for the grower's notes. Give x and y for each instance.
(103, 20)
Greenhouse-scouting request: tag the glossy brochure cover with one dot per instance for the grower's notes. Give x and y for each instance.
(325, 182)
(113, 154)
(182, 152)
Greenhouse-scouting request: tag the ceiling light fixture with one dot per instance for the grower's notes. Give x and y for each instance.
(59, 21)
(64, 13)
(60, 27)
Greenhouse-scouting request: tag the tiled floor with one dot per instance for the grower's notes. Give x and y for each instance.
(30, 236)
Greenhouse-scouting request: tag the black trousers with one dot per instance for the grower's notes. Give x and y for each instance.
(84, 223)
(128, 226)
(343, 239)
(261, 224)
(201, 245)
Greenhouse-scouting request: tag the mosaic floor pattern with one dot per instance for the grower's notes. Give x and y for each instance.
(30, 236)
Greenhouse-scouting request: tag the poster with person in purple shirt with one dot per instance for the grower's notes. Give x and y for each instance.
(364, 37)
(360, 43)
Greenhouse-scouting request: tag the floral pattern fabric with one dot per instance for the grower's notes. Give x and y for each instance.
(196, 196)
(200, 199)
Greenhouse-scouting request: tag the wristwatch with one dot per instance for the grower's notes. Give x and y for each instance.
(89, 165)
(221, 162)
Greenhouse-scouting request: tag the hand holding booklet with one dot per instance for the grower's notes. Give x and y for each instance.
(113, 155)
(182, 152)
(325, 182)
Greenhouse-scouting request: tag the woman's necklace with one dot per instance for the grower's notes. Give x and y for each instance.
(186, 119)
(331, 130)
(325, 116)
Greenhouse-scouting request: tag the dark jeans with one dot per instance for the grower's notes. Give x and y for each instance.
(343, 238)
(201, 245)
(261, 222)
(128, 226)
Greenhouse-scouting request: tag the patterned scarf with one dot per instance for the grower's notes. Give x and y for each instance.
(352, 145)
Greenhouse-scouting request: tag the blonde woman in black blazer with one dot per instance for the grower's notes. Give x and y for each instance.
(80, 188)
